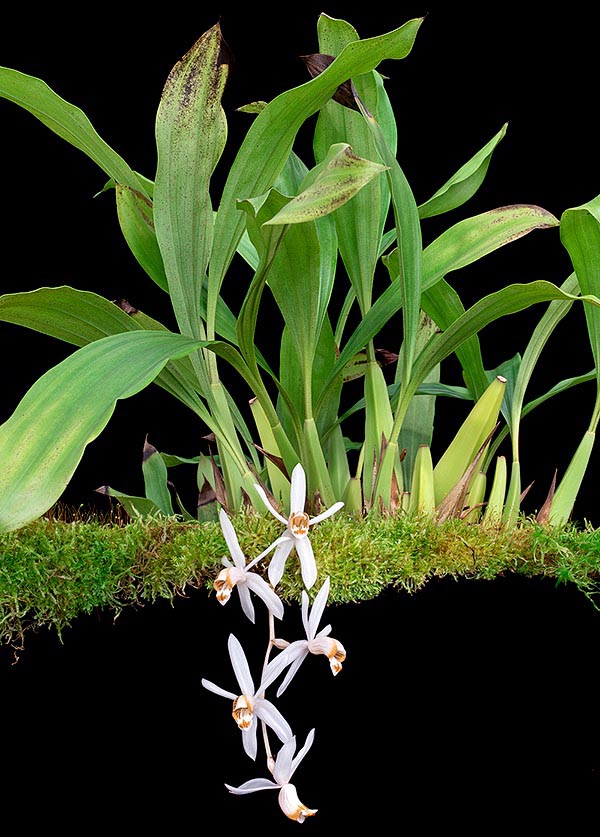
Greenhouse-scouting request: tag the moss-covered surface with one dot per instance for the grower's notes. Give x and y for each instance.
(63, 566)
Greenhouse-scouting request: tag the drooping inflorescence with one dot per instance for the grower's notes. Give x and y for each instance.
(250, 704)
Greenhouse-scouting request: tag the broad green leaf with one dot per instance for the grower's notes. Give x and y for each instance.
(267, 145)
(492, 307)
(443, 304)
(462, 244)
(580, 235)
(191, 130)
(135, 507)
(290, 262)
(509, 300)
(333, 182)
(555, 312)
(135, 213)
(464, 183)
(289, 183)
(553, 315)
(82, 317)
(359, 224)
(408, 233)
(564, 499)
(473, 238)
(68, 121)
(156, 479)
(291, 380)
(236, 360)
(43, 441)
(266, 241)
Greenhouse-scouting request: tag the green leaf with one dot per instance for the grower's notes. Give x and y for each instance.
(473, 238)
(82, 317)
(43, 441)
(580, 235)
(156, 480)
(563, 501)
(190, 136)
(135, 214)
(333, 182)
(267, 145)
(461, 245)
(506, 301)
(464, 183)
(443, 304)
(538, 339)
(68, 121)
(417, 429)
(408, 232)
(135, 507)
(360, 223)
(469, 438)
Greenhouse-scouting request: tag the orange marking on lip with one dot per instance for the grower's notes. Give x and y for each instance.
(299, 523)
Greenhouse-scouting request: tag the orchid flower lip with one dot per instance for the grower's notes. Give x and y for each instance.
(251, 702)
(238, 575)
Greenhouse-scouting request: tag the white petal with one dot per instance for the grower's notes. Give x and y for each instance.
(267, 503)
(327, 513)
(298, 489)
(300, 755)
(270, 598)
(240, 665)
(283, 763)
(266, 551)
(279, 663)
(246, 599)
(308, 565)
(231, 540)
(316, 612)
(277, 564)
(304, 610)
(268, 712)
(299, 658)
(249, 740)
(212, 687)
(252, 785)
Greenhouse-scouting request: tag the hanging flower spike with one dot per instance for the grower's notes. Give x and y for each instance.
(238, 575)
(249, 705)
(283, 770)
(294, 654)
(296, 533)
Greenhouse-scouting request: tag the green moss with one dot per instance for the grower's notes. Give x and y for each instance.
(63, 566)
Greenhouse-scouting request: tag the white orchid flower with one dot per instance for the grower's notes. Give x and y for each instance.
(296, 533)
(294, 653)
(238, 575)
(249, 705)
(283, 770)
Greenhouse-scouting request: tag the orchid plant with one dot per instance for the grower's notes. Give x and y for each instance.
(250, 706)
(314, 236)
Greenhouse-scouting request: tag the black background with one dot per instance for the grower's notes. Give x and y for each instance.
(467, 704)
